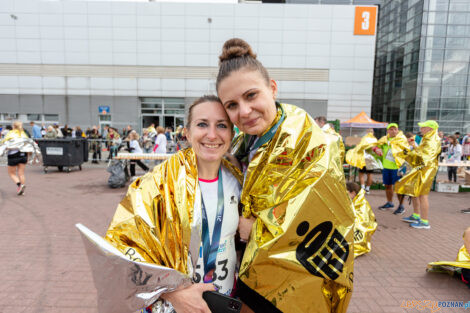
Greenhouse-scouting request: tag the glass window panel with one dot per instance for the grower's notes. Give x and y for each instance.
(430, 92)
(458, 55)
(173, 102)
(455, 80)
(457, 43)
(452, 68)
(438, 5)
(437, 17)
(433, 103)
(152, 100)
(34, 117)
(105, 117)
(433, 55)
(147, 105)
(10, 116)
(435, 42)
(432, 114)
(453, 91)
(453, 103)
(462, 5)
(459, 18)
(51, 117)
(457, 30)
(437, 30)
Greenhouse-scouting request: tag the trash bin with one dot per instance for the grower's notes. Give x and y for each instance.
(63, 153)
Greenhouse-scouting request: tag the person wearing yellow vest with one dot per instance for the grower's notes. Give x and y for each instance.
(389, 148)
(424, 159)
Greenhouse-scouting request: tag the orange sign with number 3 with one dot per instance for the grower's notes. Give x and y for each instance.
(364, 20)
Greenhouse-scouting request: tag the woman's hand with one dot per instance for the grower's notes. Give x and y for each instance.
(189, 299)
(244, 227)
(378, 151)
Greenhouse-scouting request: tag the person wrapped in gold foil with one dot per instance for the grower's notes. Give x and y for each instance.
(322, 122)
(299, 220)
(18, 146)
(417, 183)
(362, 157)
(364, 223)
(161, 221)
(461, 265)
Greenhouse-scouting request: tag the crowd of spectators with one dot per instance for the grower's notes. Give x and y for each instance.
(153, 139)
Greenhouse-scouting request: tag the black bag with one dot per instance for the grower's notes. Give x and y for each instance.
(118, 177)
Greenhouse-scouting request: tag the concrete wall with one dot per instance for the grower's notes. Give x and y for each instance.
(70, 57)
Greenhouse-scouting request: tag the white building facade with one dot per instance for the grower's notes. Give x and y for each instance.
(95, 63)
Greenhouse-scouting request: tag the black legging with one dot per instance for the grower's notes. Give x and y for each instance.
(139, 163)
(452, 172)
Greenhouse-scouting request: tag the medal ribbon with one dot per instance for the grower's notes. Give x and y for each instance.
(211, 247)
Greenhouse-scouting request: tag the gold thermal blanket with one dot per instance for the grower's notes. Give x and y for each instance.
(364, 224)
(356, 156)
(424, 160)
(300, 253)
(397, 144)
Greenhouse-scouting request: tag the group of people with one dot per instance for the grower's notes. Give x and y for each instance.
(409, 164)
(228, 210)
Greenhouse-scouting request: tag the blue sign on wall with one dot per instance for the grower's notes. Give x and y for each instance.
(103, 109)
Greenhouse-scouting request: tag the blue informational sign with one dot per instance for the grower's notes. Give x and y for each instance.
(103, 109)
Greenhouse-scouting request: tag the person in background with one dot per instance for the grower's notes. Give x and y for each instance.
(95, 144)
(417, 183)
(146, 141)
(50, 133)
(78, 132)
(5, 131)
(66, 131)
(115, 141)
(322, 122)
(36, 130)
(127, 131)
(466, 147)
(168, 134)
(43, 130)
(17, 159)
(459, 138)
(454, 155)
(134, 147)
(390, 147)
(58, 131)
(160, 141)
(360, 155)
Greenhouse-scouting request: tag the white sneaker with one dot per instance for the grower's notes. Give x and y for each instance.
(21, 190)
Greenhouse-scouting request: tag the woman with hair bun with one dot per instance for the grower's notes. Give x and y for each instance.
(298, 218)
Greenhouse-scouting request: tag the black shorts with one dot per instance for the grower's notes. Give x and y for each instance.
(17, 158)
(365, 170)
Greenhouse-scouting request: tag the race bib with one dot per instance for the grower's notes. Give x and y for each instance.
(389, 156)
(223, 277)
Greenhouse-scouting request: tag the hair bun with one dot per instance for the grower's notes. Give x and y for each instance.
(235, 48)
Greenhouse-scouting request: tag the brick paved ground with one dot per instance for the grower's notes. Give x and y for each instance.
(43, 267)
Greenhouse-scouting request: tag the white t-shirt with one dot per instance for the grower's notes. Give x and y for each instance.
(226, 260)
(161, 142)
(135, 147)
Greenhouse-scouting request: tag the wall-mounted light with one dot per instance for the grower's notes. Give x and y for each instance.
(13, 16)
